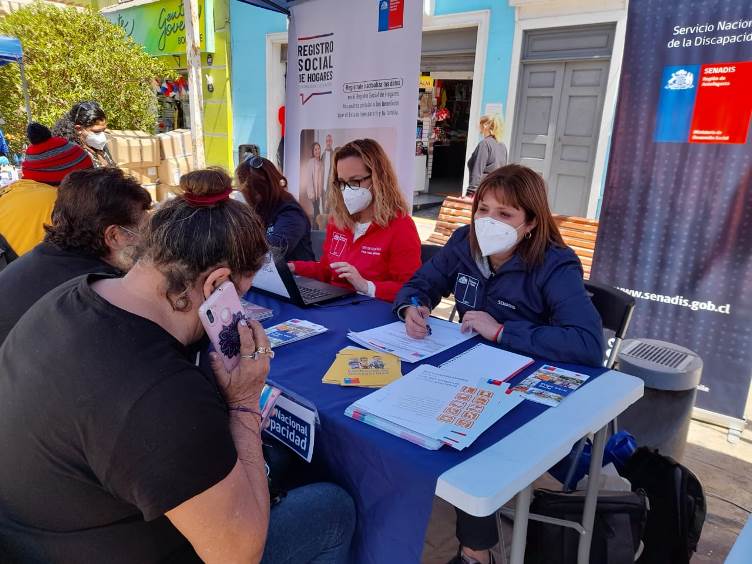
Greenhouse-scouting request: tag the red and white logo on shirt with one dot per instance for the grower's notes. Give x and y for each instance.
(339, 243)
(373, 251)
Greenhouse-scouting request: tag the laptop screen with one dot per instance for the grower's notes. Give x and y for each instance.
(269, 280)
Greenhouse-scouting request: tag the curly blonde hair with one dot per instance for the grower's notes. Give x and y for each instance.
(388, 201)
(493, 122)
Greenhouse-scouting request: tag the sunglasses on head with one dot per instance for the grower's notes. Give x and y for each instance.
(254, 161)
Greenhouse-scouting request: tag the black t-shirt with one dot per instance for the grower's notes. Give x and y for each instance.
(105, 425)
(31, 276)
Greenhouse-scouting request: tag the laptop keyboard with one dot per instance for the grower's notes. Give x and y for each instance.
(309, 294)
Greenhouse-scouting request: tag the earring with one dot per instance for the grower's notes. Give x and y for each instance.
(527, 235)
(181, 303)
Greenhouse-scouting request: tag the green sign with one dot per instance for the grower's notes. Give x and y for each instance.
(160, 26)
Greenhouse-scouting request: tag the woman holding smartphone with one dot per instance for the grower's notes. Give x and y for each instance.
(151, 459)
(517, 284)
(371, 241)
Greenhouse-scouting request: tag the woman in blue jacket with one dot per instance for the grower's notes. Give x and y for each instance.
(288, 228)
(517, 284)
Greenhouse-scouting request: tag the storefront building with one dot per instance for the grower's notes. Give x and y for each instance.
(549, 68)
(159, 26)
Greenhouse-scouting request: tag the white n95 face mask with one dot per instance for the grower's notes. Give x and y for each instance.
(357, 199)
(494, 236)
(96, 140)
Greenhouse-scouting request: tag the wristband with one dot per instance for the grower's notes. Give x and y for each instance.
(244, 409)
(498, 333)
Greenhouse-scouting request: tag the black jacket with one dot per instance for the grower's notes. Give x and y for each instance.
(289, 231)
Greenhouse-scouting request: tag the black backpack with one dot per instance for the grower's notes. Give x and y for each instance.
(617, 529)
(677, 506)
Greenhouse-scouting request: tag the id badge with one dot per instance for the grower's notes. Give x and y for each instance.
(466, 290)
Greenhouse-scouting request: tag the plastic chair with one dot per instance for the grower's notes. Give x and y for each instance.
(317, 242)
(615, 308)
(427, 252)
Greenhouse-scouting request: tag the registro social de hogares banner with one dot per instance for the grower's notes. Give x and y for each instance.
(352, 73)
(676, 221)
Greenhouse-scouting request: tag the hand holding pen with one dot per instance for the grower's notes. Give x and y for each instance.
(416, 323)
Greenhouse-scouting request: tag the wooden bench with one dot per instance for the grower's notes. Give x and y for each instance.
(578, 232)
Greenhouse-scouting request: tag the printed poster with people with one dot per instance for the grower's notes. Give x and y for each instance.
(351, 75)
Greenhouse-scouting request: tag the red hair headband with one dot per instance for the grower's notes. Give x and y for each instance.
(207, 200)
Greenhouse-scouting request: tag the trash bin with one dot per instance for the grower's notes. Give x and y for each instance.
(660, 419)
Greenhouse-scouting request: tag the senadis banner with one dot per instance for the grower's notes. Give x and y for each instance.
(676, 224)
(352, 74)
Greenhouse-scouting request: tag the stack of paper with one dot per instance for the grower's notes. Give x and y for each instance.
(358, 367)
(436, 406)
(393, 339)
(549, 385)
(291, 331)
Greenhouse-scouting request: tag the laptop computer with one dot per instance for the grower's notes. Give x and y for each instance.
(274, 278)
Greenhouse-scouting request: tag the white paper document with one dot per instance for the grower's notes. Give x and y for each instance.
(392, 338)
(490, 364)
(453, 408)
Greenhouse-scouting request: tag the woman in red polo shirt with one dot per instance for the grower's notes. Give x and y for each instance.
(371, 241)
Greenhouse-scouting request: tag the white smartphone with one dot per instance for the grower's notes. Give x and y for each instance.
(220, 315)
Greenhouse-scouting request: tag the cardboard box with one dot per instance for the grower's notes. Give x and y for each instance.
(175, 144)
(133, 148)
(166, 192)
(171, 169)
(144, 175)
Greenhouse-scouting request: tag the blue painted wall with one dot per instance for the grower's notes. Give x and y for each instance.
(249, 26)
(500, 38)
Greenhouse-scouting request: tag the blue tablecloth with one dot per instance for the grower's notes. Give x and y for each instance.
(392, 480)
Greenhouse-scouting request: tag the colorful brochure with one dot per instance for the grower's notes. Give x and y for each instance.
(291, 331)
(365, 368)
(269, 395)
(549, 385)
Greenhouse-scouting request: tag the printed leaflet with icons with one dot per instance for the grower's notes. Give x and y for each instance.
(365, 368)
(451, 405)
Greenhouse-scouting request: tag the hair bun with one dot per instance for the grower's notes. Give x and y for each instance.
(209, 181)
(206, 187)
(37, 133)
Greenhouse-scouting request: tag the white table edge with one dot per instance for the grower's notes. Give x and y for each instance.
(741, 551)
(475, 485)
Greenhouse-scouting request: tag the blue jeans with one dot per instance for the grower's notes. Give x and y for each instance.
(313, 523)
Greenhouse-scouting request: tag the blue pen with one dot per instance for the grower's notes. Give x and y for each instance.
(416, 303)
